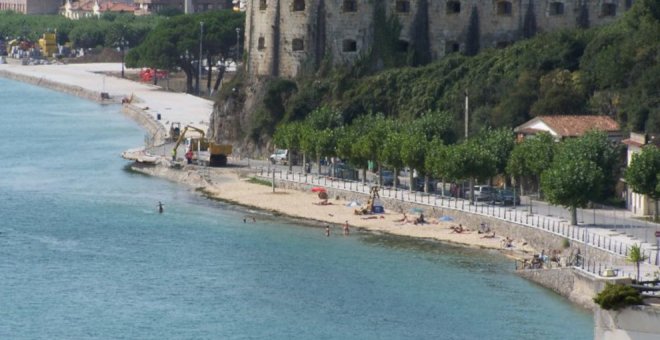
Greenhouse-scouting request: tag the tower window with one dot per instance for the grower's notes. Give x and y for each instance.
(452, 47)
(402, 46)
(263, 4)
(556, 8)
(261, 44)
(504, 8)
(298, 45)
(609, 10)
(350, 6)
(298, 5)
(349, 45)
(453, 7)
(403, 6)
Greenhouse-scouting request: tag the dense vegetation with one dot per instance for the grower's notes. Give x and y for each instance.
(616, 296)
(612, 70)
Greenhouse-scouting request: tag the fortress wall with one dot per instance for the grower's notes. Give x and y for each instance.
(342, 25)
(349, 34)
(296, 26)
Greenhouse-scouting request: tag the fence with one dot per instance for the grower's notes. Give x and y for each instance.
(549, 224)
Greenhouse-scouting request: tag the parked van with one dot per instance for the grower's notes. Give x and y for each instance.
(481, 192)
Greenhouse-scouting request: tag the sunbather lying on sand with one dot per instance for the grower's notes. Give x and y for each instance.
(459, 229)
(492, 235)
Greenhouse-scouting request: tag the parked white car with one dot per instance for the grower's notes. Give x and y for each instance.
(280, 156)
(481, 192)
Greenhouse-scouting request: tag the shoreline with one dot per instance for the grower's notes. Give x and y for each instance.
(235, 190)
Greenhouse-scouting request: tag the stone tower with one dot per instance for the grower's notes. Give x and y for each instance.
(287, 38)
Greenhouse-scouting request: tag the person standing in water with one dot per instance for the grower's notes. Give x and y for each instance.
(327, 231)
(346, 229)
(160, 207)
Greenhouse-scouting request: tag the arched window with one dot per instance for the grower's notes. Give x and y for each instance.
(556, 8)
(261, 44)
(403, 6)
(298, 45)
(349, 6)
(453, 7)
(349, 45)
(263, 4)
(504, 8)
(608, 10)
(298, 5)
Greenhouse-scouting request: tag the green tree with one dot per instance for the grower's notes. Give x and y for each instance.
(288, 136)
(531, 157)
(572, 182)
(636, 256)
(390, 151)
(174, 43)
(643, 174)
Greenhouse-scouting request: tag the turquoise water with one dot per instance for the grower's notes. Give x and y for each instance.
(85, 255)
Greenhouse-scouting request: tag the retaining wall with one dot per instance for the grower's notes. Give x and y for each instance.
(70, 89)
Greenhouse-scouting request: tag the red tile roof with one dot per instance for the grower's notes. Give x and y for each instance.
(572, 126)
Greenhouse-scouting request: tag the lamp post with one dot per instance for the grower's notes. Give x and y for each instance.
(199, 69)
(122, 46)
(238, 45)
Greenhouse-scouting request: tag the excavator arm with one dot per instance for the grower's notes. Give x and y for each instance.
(182, 136)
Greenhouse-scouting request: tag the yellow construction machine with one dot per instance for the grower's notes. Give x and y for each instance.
(203, 150)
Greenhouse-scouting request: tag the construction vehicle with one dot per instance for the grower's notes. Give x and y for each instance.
(204, 151)
(175, 131)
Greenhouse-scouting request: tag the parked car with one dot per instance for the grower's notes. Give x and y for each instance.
(481, 192)
(505, 197)
(388, 178)
(419, 184)
(281, 156)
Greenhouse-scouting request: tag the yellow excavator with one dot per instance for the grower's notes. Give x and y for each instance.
(218, 153)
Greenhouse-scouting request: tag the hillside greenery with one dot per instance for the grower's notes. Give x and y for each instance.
(611, 70)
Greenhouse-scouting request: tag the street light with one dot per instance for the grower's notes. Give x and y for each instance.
(238, 45)
(199, 74)
(122, 46)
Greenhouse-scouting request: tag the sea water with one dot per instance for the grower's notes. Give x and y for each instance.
(84, 254)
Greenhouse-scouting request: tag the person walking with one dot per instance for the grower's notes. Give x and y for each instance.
(346, 229)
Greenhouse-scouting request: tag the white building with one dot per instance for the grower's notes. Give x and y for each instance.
(638, 204)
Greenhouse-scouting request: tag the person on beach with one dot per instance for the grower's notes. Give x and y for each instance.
(160, 207)
(327, 230)
(346, 229)
(173, 155)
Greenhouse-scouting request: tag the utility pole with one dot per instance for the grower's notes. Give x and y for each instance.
(467, 120)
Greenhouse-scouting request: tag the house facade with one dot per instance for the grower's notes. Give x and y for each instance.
(93, 8)
(146, 7)
(638, 204)
(31, 6)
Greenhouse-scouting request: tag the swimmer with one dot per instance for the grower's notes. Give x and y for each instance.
(160, 207)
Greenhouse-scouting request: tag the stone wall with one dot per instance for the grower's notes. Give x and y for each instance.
(284, 40)
(632, 323)
(154, 129)
(70, 89)
(579, 287)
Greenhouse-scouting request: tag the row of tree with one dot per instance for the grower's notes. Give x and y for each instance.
(571, 173)
(106, 31)
(174, 44)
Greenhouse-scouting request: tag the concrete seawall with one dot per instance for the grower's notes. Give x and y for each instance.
(60, 87)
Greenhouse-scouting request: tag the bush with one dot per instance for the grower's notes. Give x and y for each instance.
(616, 296)
(565, 243)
